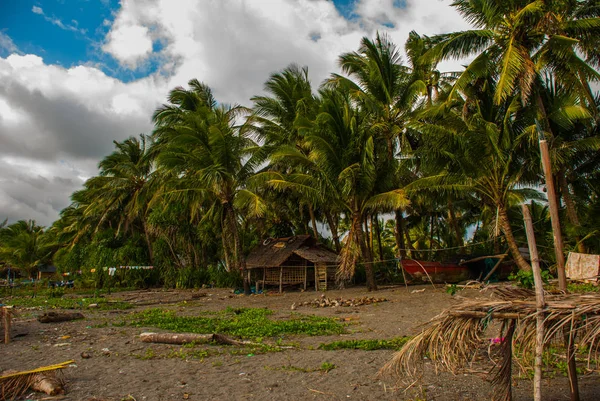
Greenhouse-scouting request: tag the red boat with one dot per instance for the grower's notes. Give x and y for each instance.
(436, 272)
(453, 272)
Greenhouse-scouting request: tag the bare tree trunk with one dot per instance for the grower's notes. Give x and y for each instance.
(571, 209)
(510, 239)
(399, 235)
(364, 249)
(334, 231)
(313, 221)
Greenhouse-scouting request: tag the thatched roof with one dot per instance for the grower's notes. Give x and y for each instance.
(452, 339)
(317, 254)
(273, 252)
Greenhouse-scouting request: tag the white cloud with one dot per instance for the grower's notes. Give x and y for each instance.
(6, 44)
(56, 123)
(58, 22)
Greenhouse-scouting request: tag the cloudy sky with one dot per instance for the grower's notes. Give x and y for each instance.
(77, 74)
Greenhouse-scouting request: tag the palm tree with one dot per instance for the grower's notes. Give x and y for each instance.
(478, 147)
(123, 189)
(341, 162)
(22, 244)
(198, 142)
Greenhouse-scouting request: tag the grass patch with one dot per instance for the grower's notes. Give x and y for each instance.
(582, 288)
(366, 345)
(67, 303)
(242, 322)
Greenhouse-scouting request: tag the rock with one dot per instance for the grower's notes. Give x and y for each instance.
(86, 355)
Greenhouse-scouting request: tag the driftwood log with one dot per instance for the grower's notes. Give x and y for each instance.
(187, 338)
(48, 383)
(54, 317)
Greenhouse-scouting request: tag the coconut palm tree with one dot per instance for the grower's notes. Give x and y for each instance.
(476, 146)
(341, 162)
(22, 244)
(122, 191)
(198, 141)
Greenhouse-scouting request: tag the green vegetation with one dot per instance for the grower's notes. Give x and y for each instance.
(366, 345)
(525, 278)
(246, 323)
(327, 367)
(444, 153)
(582, 287)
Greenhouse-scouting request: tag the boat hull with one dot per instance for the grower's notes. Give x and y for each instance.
(435, 271)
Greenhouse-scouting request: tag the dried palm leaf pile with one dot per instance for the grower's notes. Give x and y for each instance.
(452, 339)
(324, 302)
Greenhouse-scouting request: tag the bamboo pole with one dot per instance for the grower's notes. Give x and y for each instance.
(539, 297)
(558, 241)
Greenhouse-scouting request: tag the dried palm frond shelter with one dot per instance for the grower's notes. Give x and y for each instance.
(452, 339)
(293, 260)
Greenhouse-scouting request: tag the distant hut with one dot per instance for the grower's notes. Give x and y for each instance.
(290, 261)
(46, 271)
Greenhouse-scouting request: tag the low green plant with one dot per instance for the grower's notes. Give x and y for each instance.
(451, 289)
(524, 278)
(582, 288)
(327, 367)
(366, 345)
(242, 322)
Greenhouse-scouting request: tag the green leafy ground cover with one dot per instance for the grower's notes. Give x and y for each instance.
(366, 345)
(242, 322)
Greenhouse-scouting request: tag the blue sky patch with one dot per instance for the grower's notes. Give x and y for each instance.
(71, 32)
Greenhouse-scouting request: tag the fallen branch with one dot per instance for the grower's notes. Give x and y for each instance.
(54, 317)
(187, 338)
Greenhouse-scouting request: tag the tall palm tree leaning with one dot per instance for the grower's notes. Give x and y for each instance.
(473, 146)
(198, 142)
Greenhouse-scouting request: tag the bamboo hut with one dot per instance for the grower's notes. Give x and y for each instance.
(297, 260)
(452, 339)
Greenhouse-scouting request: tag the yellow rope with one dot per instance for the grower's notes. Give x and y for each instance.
(38, 370)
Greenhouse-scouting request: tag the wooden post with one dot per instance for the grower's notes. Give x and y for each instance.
(7, 321)
(558, 242)
(305, 273)
(571, 362)
(540, 304)
(280, 280)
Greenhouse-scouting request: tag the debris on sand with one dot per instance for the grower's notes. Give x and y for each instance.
(324, 302)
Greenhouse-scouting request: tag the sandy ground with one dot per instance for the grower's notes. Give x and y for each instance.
(123, 368)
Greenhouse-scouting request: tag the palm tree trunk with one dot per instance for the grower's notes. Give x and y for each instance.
(378, 233)
(224, 242)
(510, 239)
(240, 261)
(334, 231)
(454, 224)
(571, 210)
(367, 258)
(148, 242)
(313, 221)
(399, 235)
(366, 233)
